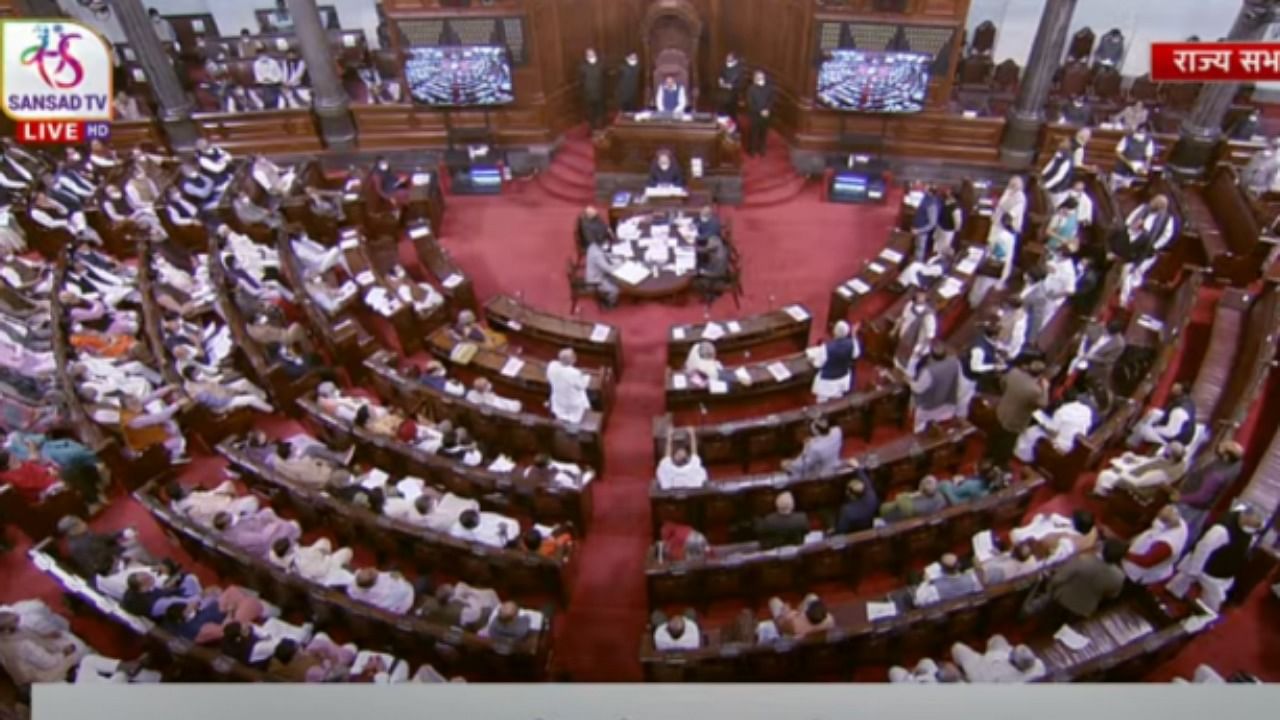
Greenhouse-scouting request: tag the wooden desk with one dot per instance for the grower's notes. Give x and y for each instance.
(630, 145)
(595, 343)
(788, 326)
(454, 283)
(796, 372)
(689, 205)
(876, 274)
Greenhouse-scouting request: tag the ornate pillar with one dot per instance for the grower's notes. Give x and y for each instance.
(1201, 130)
(1022, 127)
(171, 99)
(329, 98)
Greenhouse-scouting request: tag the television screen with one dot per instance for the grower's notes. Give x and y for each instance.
(459, 76)
(874, 82)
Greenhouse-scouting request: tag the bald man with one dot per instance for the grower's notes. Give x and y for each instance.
(783, 526)
(835, 376)
(569, 400)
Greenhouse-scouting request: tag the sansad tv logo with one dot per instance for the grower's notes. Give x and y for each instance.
(56, 80)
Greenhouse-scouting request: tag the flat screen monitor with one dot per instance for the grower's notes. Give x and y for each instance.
(874, 82)
(459, 76)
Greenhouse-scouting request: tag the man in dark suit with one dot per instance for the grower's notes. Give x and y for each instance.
(1025, 391)
(591, 78)
(759, 106)
(732, 77)
(665, 171)
(782, 527)
(628, 87)
(708, 223)
(1084, 582)
(592, 229)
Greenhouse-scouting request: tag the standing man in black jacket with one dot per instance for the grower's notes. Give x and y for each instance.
(591, 78)
(732, 77)
(628, 88)
(759, 106)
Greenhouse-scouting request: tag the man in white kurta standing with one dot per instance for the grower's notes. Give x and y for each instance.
(569, 401)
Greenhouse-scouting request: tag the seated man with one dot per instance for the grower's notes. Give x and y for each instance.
(488, 528)
(821, 453)
(221, 397)
(1001, 663)
(318, 562)
(91, 553)
(509, 624)
(988, 478)
(144, 429)
(1078, 588)
(1175, 422)
(201, 506)
(482, 393)
(319, 661)
(598, 274)
(305, 469)
(810, 617)
(384, 590)
(272, 178)
(468, 329)
(592, 229)
(195, 187)
(1153, 552)
(927, 500)
(460, 605)
(1010, 565)
(1072, 420)
(255, 533)
(713, 269)
(671, 97)
(949, 582)
(250, 214)
(784, 526)
(1144, 473)
(679, 632)
(1055, 537)
(665, 172)
(702, 367)
(860, 508)
(29, 657)
(680, 466)
(325, 204)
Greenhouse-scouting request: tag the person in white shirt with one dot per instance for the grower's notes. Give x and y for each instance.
(926, 672)
(100, 669)
(914, 330)
(1073, 419)
(482, 393)
(569, 400)
(701, 363)
(1007, 223)
(1152, 553)
(680, 466)
(1162, 426)
(677, 633)
(1221, 553)
(1143, 472)
(271, 177)
(1001, 663)
(266, 69)
(671, 97)
(201, 506)
(486, 528)
(384, 590)
(317, 562)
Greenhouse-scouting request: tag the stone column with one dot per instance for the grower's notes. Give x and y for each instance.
(1022, 127)
(171, 99)
(1201, 130)
(329, 98)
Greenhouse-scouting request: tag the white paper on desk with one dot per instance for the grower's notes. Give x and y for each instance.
(512, 367)
(679, 381)
(913, 198)
(677, 333)
(712, 331)
(881, 611)
(718, 387)
(797, 313)
(600, 333)
(502, 464)
(686, 260)
(282, 44)
(349, 41)
(733, 326)
(967, 266)
(349, 242)
(984, 546)
(891, 255)
(858, 286)
(628, 231)
(743, 375)
(139, 75)
(631, 272)
(515, 324)
(197, 26)
(845, 292)
(1068, 636)
(453, 281)
(950, 288)
(421, 179)
(365, 278)
(877, 268)
(932, 571)
(418, 231)
(779, 371)
(1150, 323)
(622, 249)
(375, 478)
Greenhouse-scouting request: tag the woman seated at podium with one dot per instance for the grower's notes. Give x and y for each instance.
(671, 97)
(665, 171)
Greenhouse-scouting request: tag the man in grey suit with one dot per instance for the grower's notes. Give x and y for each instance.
(599, 272)
(821, 452)
(250, 214)
(783, 526)
(951, 583)
(1025, 392)
(1099, 352)
(1080, 586)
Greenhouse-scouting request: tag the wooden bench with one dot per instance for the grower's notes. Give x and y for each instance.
(899, 463)
(1232, 226)
(876, 274)
(751, 336)
(515, 433)
(410, 323)
(453, 282)
(407, 637)
(511, 572)
(596, 344)
(769, 379)
(274, 132)
(744, 569)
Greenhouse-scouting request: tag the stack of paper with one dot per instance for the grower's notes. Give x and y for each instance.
(950, 288)
(877, 268)
(891, 256)
(677, 333)
(858, 286)
(515, 325)
(967, 266)
(797, 313)
(418, 231)
(453, 281)
(712, 331)
(600, 333)
(420, 179)
(881, 610)
(733, 326)
(631, 272)
(1068, 636)
(779, 371)
(512, 367)
(679, 381)
(743, 376)
(718, 387)
(1150, 323)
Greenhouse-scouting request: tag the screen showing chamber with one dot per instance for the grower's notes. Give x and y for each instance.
(874, 82)
(459, 76)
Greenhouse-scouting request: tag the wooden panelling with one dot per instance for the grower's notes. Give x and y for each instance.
(127, 134)
(279, 132)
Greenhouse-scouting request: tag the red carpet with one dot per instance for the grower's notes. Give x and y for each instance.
(795, 248)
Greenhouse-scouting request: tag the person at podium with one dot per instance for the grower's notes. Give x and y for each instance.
(671, 98)
(665, 172)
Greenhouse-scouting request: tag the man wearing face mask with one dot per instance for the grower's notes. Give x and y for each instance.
(628, 88)
(1153, 553)
(665, 171)
(1219, 556)
(385, 184)
(730, 82)
(1134, 154)
(1261, 173)
(591, 78)
(671, 97)
(759, 105)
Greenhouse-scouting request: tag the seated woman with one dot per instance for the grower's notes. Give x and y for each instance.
(1063, 231)
(701, 365)
(468, 329)
(989, 478)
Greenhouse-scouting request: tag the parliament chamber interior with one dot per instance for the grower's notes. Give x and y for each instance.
(913, 341)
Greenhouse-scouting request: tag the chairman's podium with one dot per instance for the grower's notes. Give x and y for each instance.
(625, 150)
